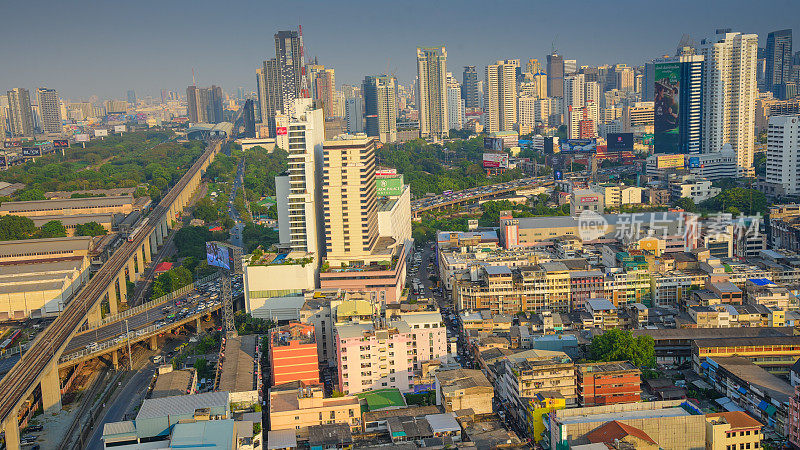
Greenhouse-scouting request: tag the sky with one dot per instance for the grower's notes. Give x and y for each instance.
(100, 47)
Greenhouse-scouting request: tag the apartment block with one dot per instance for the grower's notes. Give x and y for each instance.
(293, 354)
(299, 406)
(606, 383)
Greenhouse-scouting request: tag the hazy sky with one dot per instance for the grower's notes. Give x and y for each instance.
(101, 47)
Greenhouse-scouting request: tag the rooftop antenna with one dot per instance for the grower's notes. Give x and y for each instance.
(304, 90)
(193, 82)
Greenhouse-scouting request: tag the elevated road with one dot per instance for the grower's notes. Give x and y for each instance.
(39, 365)
(472, 195)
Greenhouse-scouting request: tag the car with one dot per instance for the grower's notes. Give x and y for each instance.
(34, 428)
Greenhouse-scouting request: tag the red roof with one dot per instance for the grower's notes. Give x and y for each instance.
(163, 267)
(610, 431)
(216, 228)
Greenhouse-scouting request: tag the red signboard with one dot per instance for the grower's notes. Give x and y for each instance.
(588, 199)
(281, 131)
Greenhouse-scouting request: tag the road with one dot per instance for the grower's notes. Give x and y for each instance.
(236, 231)
(467, 195)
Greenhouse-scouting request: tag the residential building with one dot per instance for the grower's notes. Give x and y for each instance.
(783, 156)
(325, 90)
(469, 88)
(607, 383)
(49, 110)
(523, 375)
(793, 424)
(555, 75)
(432, 92)
(458, 389)
(585, 200)
(204, 105)
(293, 354)
(695, 188)
(270, 99)
(500, 96)
(455, 105)
(537, 414)
(729, 94)
(20, 114)
(638, 118)
(774, 354)
(732, 429)
(349, 200)
(354, 115)
(300, 406)
(380, 107)
(289, 66)
(778, 67)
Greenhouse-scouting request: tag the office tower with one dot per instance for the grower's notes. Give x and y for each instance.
(270, 99)
(500, 97)
(574, 92)
(354, 115)
(729, 95)
(132, 98)
(570, 67)
(380, 107)
(216, 105)
(432, 92)
(648, 83)
(678, 103)
(249, 118)
(637, 83)
(20, 114)
(533, 66)
(204, 105)
(289, 67)
(324, 90)
(590, 73)
(299, 193)
(191, 104)
(469, 89)
(624, 78)
(348, 196)
(455, 105)
(783, 155)
(49, 110)
(592, 92)
(778, 64)
(555, 75)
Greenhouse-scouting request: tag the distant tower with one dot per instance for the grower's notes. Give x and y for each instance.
(20, 114)
(432, 92)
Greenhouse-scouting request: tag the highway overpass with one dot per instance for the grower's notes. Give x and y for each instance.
(39, 366)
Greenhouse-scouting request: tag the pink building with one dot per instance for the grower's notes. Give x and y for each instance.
(793, 425)
(386, 282)
(371, 356)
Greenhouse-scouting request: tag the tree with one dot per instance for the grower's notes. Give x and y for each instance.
(52, 229)
(205, 210)
(31, 194)
(255, 235)
(90, 229)
(16, 227)
(620, 345)
(191, 241)
(687, 204)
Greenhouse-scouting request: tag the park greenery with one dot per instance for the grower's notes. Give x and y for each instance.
(733, 200)
(254, 236)
(434, 168)
(620, 345)
(191, 241)
(147, 160)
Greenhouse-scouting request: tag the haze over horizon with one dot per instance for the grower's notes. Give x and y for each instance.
(86, 48)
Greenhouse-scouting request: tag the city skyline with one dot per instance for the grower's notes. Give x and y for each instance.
(160, 51)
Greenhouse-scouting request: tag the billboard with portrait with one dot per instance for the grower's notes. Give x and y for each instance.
(218, 255)
(579, 146)
(666, 107)
(619, 142)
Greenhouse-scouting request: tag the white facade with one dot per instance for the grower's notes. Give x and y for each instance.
(276, 291)
(574, 92)
(49, 110)
(394, 218)
(500, 96)
(697, 189)
(432, 92)
(783, 153)
(713, 166)
(729, 95)
(455, 105)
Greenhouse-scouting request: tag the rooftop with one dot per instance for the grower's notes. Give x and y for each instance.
(652, 410)
(737, 419)
(206, 434)
(614, 366)
(239, 365)
(614, 430)
(382, 399)
(462, 379)
(181, 404)
(332, 435)
(176, 382)
(745, 370)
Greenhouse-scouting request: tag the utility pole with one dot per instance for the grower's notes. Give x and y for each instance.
(128, 338)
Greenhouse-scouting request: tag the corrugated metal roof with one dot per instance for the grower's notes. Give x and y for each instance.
(181, 404)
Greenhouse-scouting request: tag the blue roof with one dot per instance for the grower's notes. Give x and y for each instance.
(760, 281)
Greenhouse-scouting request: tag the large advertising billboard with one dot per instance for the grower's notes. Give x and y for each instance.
(81, 138)
(389, 186)
(61, 143)
(100, 132)
(666, 106)
(579, 145)
(218, 255)
(493, 144)
(119, 128)
(670, 161)
(31, 151)
(619, 142)
(495, 160)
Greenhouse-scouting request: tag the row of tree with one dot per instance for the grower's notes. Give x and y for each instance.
(17, 228)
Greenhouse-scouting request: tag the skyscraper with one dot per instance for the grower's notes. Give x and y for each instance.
(132, 98)
(432, 92)
(204, 105)
(455, 105)
(49, 110)
(729, 95)
(778, 68)
(349, 202)
(20, 114)
(678, 102)
(469, 88)
(289, 67)
(783, 155)
(270, 99)
(324, 90)
(555, 75)
(380, 107)
(500, 96)
(354, 114)
(249, 118)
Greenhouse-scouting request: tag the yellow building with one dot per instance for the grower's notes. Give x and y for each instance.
(297, 406)
(732, 430)
(541, 404)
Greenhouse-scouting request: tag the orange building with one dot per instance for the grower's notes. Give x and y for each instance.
(293, 354)
(607, 383)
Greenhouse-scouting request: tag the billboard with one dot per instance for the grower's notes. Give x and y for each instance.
(12, 144)
(385, 172)
(617, 142)
(218, 255)
(694, 162)
(119, 129)
(280, 131)
(100, 132)
(558, 175)
(589, 199)
(81, 138)
(389, 186)
(493, 144)
(579, 145)
(495, 160)
(666, 107)
(60, 143)
(670, 161)
(31, 151)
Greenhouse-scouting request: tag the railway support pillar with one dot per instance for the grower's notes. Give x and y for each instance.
(112, 298)
(153, 242)
(140, 260)
(11, 429)
(148, 255)
(94, 316)
(153, 341)
(160, 234)
(123, 287)
(198, 324)
(132, 269)
(115, 359)
(51, 388)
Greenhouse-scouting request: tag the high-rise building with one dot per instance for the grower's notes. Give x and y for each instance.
(324, 90)
(299, 192)
(533, 66)
(380, 107)
(783, 155)
(555, 75)
(574, 92)
(216, 104)
(249, 118)
(348, 196)
(778, 64)
(270, 99)
(432, 92)
(132, 98)
(191, 104)
(204, 105)
(570, 66)
(455, 105)
(500, 96)
(625, 77)
(678, 103)
(729, 95)
(49, 110)
(354, 115)
(20, 114)
(469, 88)
(289, 66)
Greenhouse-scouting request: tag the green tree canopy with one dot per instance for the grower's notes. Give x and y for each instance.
(16, 227)
(205, 210)
(620, 345)
(52, 229)
(90, 229)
